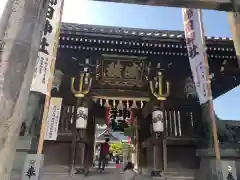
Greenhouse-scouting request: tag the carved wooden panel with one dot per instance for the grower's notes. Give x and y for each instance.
(122, 70)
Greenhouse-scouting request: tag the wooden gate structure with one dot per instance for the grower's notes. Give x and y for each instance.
(106, 67)
(121, 63)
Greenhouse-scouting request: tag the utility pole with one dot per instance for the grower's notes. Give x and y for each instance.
(20, 31)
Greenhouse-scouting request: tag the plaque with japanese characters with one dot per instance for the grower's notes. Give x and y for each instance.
(122, 70)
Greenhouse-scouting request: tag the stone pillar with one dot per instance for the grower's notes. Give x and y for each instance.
(234, 21)
(33, 105)
(20, 31)
(158, 128)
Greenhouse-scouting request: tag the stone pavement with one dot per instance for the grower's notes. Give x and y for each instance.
(109, 174)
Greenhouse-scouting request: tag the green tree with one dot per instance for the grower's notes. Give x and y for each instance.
(116, 148)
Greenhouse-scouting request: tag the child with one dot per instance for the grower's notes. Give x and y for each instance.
(129, 173)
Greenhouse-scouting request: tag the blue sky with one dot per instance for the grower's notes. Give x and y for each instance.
(147, 17)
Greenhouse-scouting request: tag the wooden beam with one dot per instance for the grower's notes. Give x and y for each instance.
(147, 109)
(223, 5)
(234, 21)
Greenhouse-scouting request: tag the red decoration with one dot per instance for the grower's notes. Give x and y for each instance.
(132, 117)
(129, 140)
(108, 116)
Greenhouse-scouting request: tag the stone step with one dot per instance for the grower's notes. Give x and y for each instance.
(183, 174)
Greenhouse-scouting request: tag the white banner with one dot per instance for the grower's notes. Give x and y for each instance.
(157, 118)
(46, 55)
(54, 113)
(82, 118)
(196, 51)
(42, 74)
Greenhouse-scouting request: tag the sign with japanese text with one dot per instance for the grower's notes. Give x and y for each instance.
(122, 70)
(47, 54)
(32, 165)
(54, 113)
(196, 52)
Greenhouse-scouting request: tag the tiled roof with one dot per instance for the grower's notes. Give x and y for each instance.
(72, 28)
(106, 134)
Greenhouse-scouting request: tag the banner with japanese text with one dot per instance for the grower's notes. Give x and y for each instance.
(54, 113)
(46, 55)
(196, 51)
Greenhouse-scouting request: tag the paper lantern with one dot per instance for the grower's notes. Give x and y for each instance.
(157, 118)
(82, 118)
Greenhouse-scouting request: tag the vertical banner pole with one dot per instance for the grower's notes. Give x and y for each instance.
(210, 101)
(50, 80)
(196, 46)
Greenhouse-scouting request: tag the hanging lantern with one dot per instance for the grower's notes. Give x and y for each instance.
(157, 118)
(82, 118)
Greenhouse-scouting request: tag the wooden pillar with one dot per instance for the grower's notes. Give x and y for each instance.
(137, 145)
(234, 21)
(78, 136)
(139, 141)
(157, 169)
(89, 141)
(72, 169)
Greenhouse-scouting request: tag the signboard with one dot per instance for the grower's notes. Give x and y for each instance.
(54, 113)
(157, 118)
(196, 51)
(122, 70)
(46, 55)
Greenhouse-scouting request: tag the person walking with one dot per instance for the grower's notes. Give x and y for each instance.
(104, 152)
